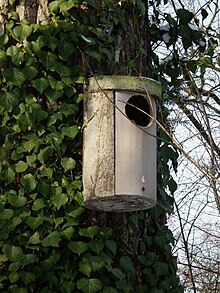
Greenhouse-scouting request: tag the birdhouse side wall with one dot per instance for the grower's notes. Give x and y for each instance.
(98, 146)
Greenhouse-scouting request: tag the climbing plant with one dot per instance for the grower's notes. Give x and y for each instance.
(48, 241)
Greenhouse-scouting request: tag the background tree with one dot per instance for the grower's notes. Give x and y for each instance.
(189, 64)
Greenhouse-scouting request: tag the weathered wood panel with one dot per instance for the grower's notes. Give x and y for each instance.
(98, 147)
(135, 158)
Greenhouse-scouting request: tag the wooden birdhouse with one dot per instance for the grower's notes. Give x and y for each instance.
(119, 143)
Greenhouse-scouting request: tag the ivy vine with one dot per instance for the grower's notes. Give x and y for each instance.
(47, 240)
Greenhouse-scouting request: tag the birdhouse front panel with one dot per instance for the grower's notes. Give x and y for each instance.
(135, 145)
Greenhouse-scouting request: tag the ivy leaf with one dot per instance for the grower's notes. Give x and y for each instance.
(28, 182)
(8, 100)
(65, 49)
(6, 214)
(27, 278)
(30, 72)
(3, 59)
(52, 239)
(44, 154)
(68, 163)
(76, 212)
(96, 246)
(68, 109)
(8, 175)
(57, 85)
(89, 285)
(85, 268)
(35, 238)
(16, 200)
(59, 200)
(94, 54)
(48, 59)
(17, 56)
(127, 264)
(38, 204)
(39, 114)
(3, 40)
(15, 76)
(41, 84)
(70, 131)
(111, 245)
(77, 247)
(34, 222)
(21, 167)
(68, 232)
(116, 272)
(20, 33)
(89, 232)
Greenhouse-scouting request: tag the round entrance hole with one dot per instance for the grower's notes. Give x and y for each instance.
(137, 109)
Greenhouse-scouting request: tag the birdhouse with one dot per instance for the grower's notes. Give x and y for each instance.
(119, 143)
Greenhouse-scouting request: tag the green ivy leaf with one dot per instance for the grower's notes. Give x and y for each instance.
(3, 40)
(38, 204)
(56, 85)
(31, 159)
(76, 212)
(68, 163)
(116, 272)
(48, 59)
(111, 245)
(89, 285)
(161, 268)
(89, 232)
(6, 214)
(41, 84)
(8, 175)
(33, 222)
(65, 49)
(8, 100)
(21, 167)
(16, 200)
(15, 76)
(39, 114)
(77, 247)
(3, 59)
(27, 278)
(85, 268)
(44, 154)
(21, 33)
(68, 109)
(94, 54)
(96, 246)
(53, 94)
(30, 72)
(70, 131)
(35, 238)
(127, 264)
(11, 251)
(17, 55)
(59, 200)
(67, 233)
(28, 182)
(52, 239)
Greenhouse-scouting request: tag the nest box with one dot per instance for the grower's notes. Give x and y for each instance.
(119, 143)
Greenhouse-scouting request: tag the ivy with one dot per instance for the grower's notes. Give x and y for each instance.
(47, 243)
